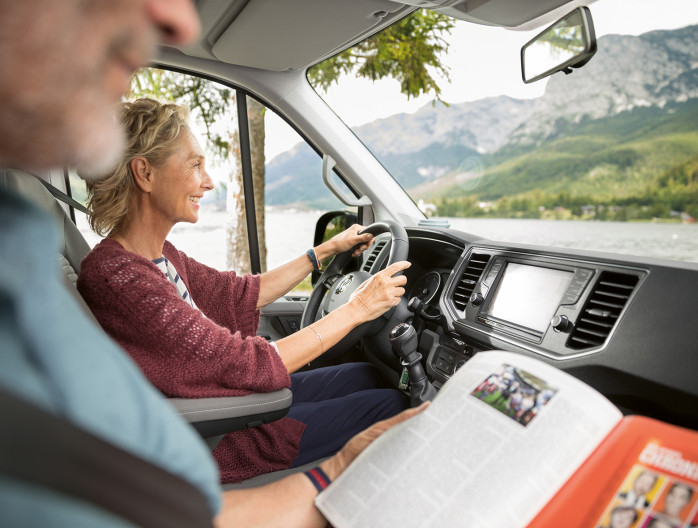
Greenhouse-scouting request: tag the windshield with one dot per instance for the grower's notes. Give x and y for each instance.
(605, 158)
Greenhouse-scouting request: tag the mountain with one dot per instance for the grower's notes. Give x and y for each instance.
(656, 68)
(419, 147)
(595, 132)
(424, 146)
(291, 178)
(480, 126)
(612, 157)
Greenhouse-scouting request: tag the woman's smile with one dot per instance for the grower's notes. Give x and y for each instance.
(182, 173)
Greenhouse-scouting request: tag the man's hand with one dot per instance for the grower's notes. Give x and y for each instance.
(334, 466)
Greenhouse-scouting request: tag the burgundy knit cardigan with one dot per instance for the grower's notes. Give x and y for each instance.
(190, 353)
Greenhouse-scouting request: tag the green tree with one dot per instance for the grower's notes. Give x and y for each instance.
(409, 51)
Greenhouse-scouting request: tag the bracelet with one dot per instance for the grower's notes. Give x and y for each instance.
(313, 259)
(319, 478)
(319, 338)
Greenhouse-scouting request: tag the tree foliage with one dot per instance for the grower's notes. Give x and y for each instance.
(209, 102)
(409, 51)
(673, 195)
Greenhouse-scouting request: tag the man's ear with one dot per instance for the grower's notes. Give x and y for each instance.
(142, 173)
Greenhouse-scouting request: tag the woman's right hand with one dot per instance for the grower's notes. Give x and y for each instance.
(381, 292)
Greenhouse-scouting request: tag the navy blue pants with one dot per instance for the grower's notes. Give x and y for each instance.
(335, 403)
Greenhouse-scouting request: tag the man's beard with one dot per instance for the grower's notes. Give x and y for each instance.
(99, 143)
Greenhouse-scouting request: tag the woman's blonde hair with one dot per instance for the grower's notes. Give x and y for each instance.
(152, 130)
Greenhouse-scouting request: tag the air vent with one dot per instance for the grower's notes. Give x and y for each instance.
(602, 310)
(371, 260)
(466, 284)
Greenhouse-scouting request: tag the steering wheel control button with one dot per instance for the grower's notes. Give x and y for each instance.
(561, 323)
(476, 299)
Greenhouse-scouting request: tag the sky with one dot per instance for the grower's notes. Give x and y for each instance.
(478, 75)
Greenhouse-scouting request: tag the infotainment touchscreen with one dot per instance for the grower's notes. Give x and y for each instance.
(529, 295)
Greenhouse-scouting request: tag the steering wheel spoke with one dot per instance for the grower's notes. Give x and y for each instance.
(328, 282)
(334, 289)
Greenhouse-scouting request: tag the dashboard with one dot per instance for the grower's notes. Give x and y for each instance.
(624, 325)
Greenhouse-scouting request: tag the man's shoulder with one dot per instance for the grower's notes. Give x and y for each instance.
(22, 219)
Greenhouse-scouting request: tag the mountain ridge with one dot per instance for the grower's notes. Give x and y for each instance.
(429, 150)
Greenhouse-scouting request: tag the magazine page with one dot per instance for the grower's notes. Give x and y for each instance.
(644, 475)
(502, 435)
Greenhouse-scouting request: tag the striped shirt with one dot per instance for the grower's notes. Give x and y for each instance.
(171, 273)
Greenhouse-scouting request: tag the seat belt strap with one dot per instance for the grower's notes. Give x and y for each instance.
(63, 197)
(38, 447)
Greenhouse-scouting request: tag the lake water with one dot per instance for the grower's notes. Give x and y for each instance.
(290, 233)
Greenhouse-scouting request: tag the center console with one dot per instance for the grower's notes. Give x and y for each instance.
(553, 306)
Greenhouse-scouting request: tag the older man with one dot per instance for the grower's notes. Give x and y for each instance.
(65, 63)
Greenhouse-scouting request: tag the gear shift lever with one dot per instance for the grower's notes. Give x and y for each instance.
(403, 339)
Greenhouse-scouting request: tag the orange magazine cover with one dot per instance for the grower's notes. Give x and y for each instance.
(643, 475)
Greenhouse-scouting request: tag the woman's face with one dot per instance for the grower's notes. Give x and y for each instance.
(622, 519)
(676, 499)
(180, 182)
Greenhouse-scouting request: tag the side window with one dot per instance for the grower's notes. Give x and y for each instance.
(287, 173)
(295, 195)
(79, 193)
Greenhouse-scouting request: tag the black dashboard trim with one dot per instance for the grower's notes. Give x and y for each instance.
(456, 319)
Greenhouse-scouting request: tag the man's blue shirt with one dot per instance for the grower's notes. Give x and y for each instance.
(54, 356)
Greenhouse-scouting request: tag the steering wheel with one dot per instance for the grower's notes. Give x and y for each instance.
(334, 289)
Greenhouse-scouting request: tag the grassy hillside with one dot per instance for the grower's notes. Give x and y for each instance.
(616, 160)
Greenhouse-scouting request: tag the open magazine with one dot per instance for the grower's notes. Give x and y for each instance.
(511, 441)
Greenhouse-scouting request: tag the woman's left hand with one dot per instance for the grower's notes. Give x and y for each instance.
(349, 238)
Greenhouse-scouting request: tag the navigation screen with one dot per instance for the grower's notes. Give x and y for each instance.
(529, 295)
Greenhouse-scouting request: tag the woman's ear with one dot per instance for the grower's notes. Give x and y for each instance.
(142, 173)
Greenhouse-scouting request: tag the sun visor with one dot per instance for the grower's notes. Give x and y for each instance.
(512, 14)
(278, 35)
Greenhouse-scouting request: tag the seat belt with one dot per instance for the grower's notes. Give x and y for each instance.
(83, 466)
(63, 197)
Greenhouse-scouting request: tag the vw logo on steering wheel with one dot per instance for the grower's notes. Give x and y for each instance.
(344, 283)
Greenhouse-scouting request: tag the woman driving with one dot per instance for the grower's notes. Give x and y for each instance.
(192, 328)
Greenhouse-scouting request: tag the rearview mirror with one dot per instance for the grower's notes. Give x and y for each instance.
(567, 44)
